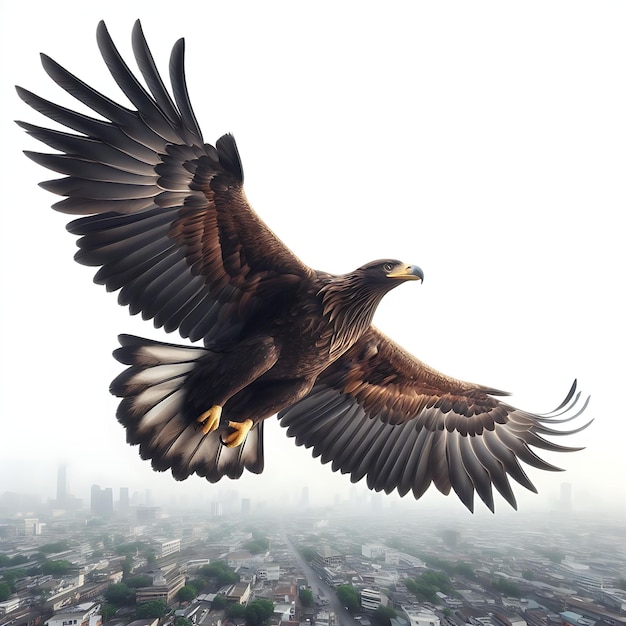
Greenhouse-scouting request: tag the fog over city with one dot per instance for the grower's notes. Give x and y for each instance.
(482, 141)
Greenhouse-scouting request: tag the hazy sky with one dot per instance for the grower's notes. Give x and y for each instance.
(483, 141)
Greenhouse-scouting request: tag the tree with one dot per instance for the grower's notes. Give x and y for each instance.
(182, 621)
(136, 582)
(119, 594)
(257, 545)
(198, 583)
(186, 593)
(258, 612)
(349, 597)
(219, 571)
(10, 577)
(151, 610)
(127, 566)
(107, 611)
(308, 554)
(219, 603)
(53, 548)
(426, 586)
(383, 615)
(56, 568)
(306, 597)
(507, 587)
(236, 610)
(5, 591)
(465, 569)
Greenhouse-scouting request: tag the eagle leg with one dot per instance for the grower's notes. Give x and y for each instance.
(210, 419)
(241, 430)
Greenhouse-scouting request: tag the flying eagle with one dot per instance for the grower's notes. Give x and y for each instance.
(168, 224)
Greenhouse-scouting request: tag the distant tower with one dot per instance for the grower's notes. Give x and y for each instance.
(124, 500)
(245, 506)
(216, 509)
(565, 502)
(101, 501)
(63, 490)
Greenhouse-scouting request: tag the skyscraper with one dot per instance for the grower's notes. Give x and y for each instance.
(63, 489)
(124, 500)
(101, 501)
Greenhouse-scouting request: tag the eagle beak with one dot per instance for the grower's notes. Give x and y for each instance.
(407, 272)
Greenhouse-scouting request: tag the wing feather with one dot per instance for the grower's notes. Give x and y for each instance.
(166, 219)
(380, 414)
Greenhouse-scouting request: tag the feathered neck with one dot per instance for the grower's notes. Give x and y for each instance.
(349, 303)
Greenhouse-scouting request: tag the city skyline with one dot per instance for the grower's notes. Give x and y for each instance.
(118, 496)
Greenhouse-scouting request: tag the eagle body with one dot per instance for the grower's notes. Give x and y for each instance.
(164, 217)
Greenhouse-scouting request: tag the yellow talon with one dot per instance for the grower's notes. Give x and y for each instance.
(241, 432)
(210, 419)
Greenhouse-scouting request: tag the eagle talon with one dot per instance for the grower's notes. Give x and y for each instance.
(236, 438)
(210, 419)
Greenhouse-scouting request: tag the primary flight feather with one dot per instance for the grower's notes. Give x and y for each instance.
(167, 222)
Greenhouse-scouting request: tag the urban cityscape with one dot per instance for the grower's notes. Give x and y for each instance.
(125, 558)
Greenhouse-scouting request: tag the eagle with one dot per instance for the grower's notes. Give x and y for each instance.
(164, 217)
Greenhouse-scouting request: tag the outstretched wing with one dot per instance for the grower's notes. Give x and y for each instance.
(379, 413)
(167, 219)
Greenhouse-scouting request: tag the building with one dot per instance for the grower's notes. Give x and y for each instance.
(101, 501)
(569, 618)
(327, 557)
(421, 617)
(63, 489)
(165, 547)
(164, 587)
(239, 593)
(371, 599)
(268, 571)
(506, 618)
(147, 514)
(124, 505)
(86, 614)
(373, 550)
(30, 527)
(9, 605)
(240, 558)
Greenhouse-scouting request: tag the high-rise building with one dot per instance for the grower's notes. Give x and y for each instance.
(245, 505)
(124, 500)
(101, 501)
(63, 489)
(64, 499)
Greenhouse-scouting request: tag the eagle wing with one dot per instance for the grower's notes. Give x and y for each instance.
(378, 412)
(167, 220)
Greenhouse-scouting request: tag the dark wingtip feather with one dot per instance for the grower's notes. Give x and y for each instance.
(179, 86)
(229, 155)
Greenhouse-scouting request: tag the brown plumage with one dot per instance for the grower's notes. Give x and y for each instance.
(167, 222)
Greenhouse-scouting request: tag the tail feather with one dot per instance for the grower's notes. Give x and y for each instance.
(158, 416)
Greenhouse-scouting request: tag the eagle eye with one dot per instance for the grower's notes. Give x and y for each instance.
(387, 267)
